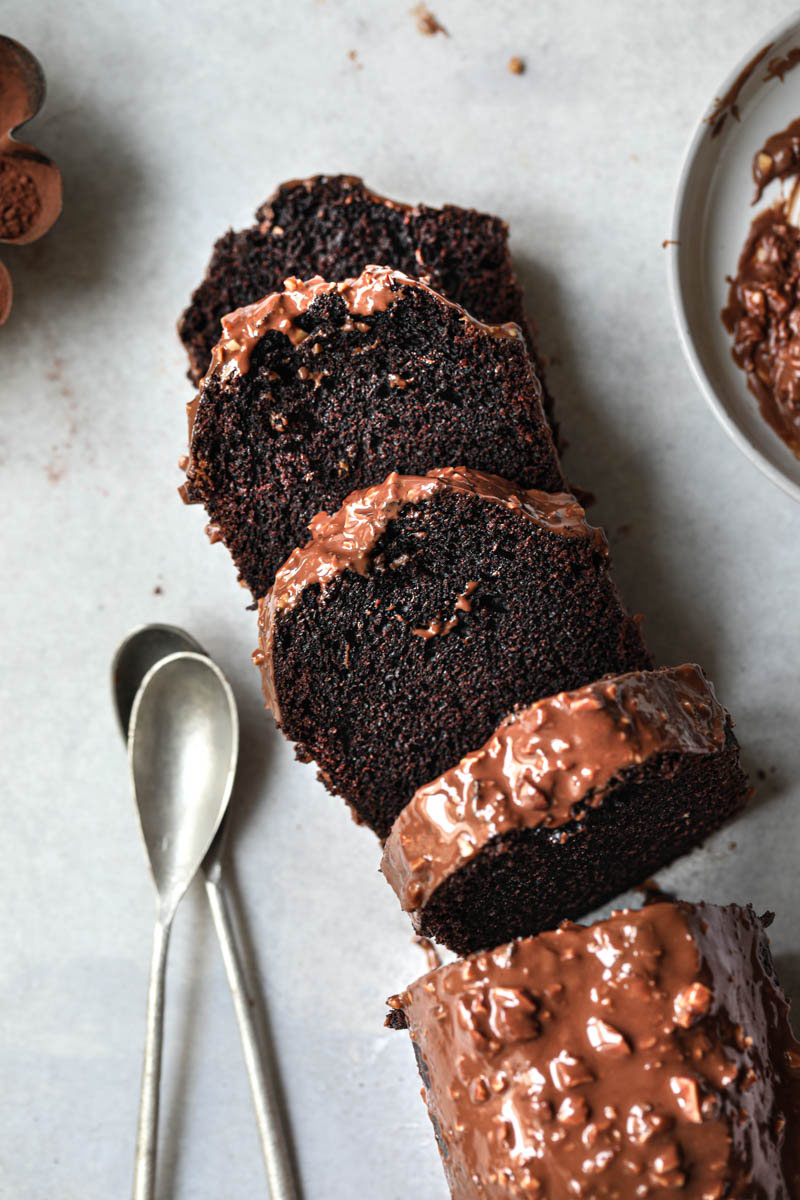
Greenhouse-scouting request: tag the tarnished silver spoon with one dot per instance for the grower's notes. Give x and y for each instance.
(137, 654)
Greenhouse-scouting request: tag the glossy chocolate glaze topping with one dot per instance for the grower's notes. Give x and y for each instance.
(777, 158)
(647, 1054)
(763, 315)
(346, 540)
(545, 765)
(370, 292)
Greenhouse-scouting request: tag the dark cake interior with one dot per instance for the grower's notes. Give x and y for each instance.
(571, 802)
(325, 388)
(333, 225)
(531, 879)
(468, 603)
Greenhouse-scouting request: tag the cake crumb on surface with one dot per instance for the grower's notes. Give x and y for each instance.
(516, 65)
(427, 22)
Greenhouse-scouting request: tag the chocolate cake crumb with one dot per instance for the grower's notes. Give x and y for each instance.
(516, 65)
(427, 23)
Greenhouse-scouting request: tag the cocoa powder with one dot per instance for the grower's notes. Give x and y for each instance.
(20, 203)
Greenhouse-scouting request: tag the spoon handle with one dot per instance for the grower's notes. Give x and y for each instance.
(144, 1171)
(280, 1175)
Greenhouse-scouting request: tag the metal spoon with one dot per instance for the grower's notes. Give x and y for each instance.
(182, 750)
(140, 650)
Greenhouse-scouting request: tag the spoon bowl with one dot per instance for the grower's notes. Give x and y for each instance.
(140, 650)
(183, 743)
(183, 748)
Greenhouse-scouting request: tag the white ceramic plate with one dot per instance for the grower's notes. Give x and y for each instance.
(711, 218)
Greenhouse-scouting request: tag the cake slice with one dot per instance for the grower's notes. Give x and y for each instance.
(326, 387)
(650, 1054)
(333, 225)
(571, 801)
(422, 613)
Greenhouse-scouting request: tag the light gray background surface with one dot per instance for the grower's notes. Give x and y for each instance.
(171, 122)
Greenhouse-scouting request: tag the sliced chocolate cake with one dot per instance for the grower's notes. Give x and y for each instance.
(422, 613)
(333, 225)
(570, 801)
(648, 1054)
(326, 387)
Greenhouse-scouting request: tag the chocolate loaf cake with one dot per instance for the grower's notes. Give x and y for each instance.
(327, 387)
(422, 613)
(333, 225)
(571, 801)
(648, 1054)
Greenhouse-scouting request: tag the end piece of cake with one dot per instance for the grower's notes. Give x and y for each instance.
(571, 801)
(333, 225)
(647, 1054)
(422, 613)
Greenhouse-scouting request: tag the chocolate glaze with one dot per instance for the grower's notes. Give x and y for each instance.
(544, 765)
(729, 102)
(779, 68)
(346, 540)
(763, 314)
(777, 158)
(645, 1054)
(374, 290)
(439, 627)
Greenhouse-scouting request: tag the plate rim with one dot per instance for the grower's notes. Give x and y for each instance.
(685, 336)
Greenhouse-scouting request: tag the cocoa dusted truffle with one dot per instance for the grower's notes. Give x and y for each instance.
(571, 801)
(333, 225)
(422, 613)
(645, 1055)
(325, 387)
